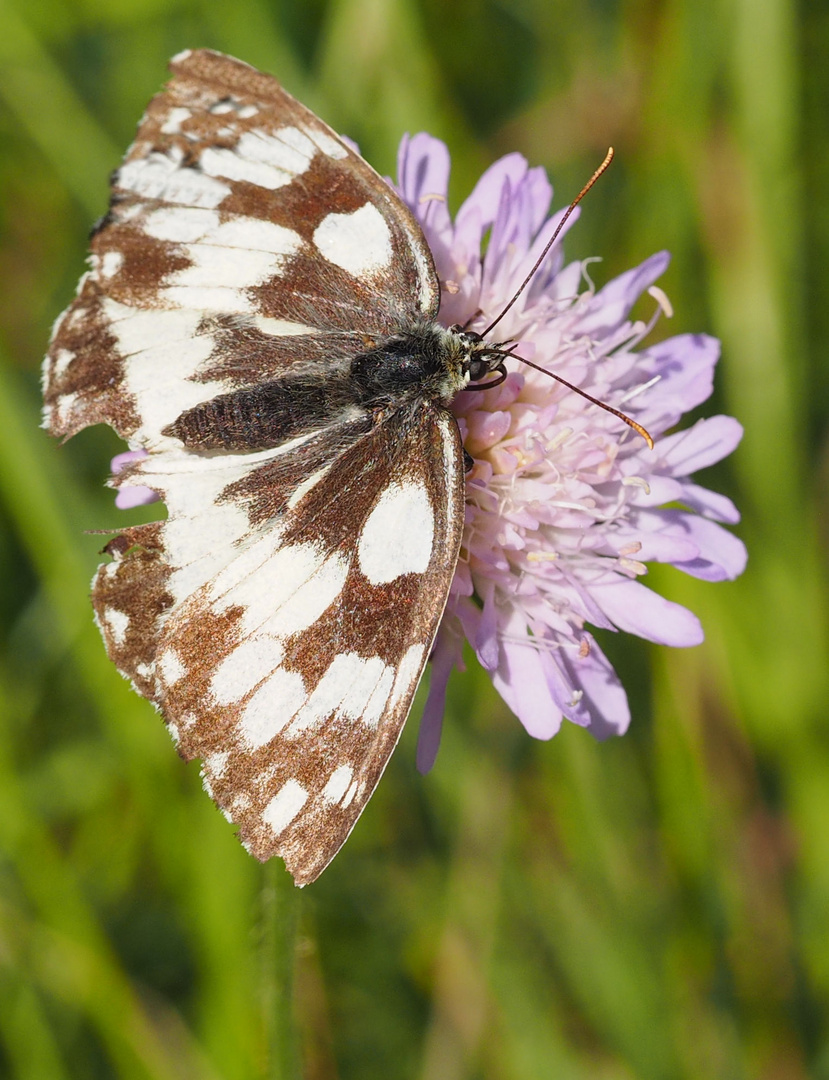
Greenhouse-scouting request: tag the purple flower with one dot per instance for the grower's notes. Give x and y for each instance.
(565, 504)
(135, 494)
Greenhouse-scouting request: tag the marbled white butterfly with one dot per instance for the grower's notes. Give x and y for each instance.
(260, 316)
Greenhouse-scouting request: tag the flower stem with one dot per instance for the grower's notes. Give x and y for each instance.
(279, 918)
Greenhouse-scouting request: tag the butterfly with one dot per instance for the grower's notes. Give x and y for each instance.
(260, 317)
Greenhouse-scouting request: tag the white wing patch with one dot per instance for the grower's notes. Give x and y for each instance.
(338, 784)
(299, 582)
(161, 176)
(282, 327)
(359, 243)
(233, 166)
(285, 805)
(398, 535)
(117, 623)
(109, 264)
(216, 764)
(202, 228)
(188, 483)
(227, 259)
(272, 707)
(175, 118)
(181, 224)
(244, 668)
(146, 340)
(171, 667)
(353, 688)
(333, 148)
(63, 358)
(269, 161)
(408, 671)
(292, 149)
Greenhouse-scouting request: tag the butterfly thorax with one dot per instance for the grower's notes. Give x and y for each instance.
(425, 361)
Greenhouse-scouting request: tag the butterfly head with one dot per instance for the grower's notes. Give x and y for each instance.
(478, 359)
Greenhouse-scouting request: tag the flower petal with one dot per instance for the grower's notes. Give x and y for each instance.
(653, 537)
(485, 429)
(707, 442)
(638, 610)
(604, 695)
(444, 656)
(522, 682)
(131, 495)
(722, 555)
(684, 366)
(486, 638)
(486, 195)
(611, 305)
(135, 495)
(710, 504)
(423, 179)
(126, 458)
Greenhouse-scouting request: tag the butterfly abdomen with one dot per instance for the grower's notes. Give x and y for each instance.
(266, 416)
(421, 363)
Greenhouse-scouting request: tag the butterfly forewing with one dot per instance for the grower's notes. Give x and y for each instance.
(244, 239)
(281, 616)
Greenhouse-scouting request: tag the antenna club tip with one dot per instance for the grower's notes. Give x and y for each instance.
(646, 435)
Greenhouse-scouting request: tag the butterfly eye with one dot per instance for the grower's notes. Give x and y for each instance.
(478, 368)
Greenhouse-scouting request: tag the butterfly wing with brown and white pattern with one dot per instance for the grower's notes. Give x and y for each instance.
(282, 615)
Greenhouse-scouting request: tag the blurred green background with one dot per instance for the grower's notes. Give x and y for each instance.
(655, 907)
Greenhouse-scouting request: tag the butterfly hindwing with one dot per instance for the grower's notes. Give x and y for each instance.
(290, 671)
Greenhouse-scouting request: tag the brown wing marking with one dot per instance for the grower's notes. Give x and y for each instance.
(131, 599)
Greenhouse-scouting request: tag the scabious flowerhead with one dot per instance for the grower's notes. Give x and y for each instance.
(565, 504)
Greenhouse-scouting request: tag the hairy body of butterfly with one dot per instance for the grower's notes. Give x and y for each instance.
(260, 317)
(426, 362)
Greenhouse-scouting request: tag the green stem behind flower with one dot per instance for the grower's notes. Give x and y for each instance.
(279, 918)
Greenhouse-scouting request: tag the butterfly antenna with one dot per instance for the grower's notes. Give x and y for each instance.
(553, 238)
(602, 404)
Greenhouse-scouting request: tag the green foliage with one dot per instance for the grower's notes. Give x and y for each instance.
(655, 907)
